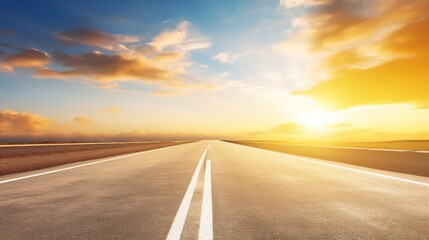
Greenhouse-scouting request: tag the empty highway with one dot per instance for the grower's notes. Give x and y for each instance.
(213, 189)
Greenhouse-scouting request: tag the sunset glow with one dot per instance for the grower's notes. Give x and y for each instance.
(134, 71)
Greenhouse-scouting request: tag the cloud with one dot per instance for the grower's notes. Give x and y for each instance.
(112, 109)
(162, 61)
(375, 54)
(179, 39)
(293, 131)
(349, 24)
(170, 37)
(292, 127)
(399, 81)
(347, 58)
(288, 127)
(101, 67)
(225, 57)
(91, 37)
(12, 122)
(82, 120)
(169, 57)
(166, 92)
(288, 4)
(26, 58)
(225, 74)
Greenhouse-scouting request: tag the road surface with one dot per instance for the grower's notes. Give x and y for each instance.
(213, 189)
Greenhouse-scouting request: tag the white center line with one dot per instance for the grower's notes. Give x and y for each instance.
(179, 221)
(82, 165)
(206, 223)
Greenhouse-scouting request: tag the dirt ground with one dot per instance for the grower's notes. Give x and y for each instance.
(16, 159)
(416, 163)
(412, 145)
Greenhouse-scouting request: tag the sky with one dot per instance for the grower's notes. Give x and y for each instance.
(292, 70)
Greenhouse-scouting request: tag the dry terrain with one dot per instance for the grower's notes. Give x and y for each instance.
(22, 158)
(402, 161)
(412, 145)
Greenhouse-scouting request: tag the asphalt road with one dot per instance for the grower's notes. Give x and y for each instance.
(213, 189)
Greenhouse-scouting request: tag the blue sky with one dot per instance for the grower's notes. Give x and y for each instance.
(228, 26)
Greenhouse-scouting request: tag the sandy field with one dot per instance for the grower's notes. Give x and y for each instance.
(14, 159)
(412, 145)
(410, 162)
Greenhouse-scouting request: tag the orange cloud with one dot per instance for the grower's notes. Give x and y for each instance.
(162, 60)
(399, 38)
(82, 120)
(112, 109)
(345, 58)
(169, 57)
(339, 22)
(12, 122)
(103, 67)
(91, 37)
(25, 59)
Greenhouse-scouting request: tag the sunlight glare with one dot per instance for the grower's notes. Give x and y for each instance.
(316, 119)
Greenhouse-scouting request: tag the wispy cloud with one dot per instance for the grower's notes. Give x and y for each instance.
(225, 74)
(292, 127)
(92, 37)
(288, 4)
(225, 57)
(179, 39)
(82, 120)
(111, 109)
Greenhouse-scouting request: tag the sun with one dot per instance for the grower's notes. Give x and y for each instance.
(316, 119)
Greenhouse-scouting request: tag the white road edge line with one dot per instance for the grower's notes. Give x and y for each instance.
(83, 165)
(179, 221)
(206, 223)
(348, 168)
